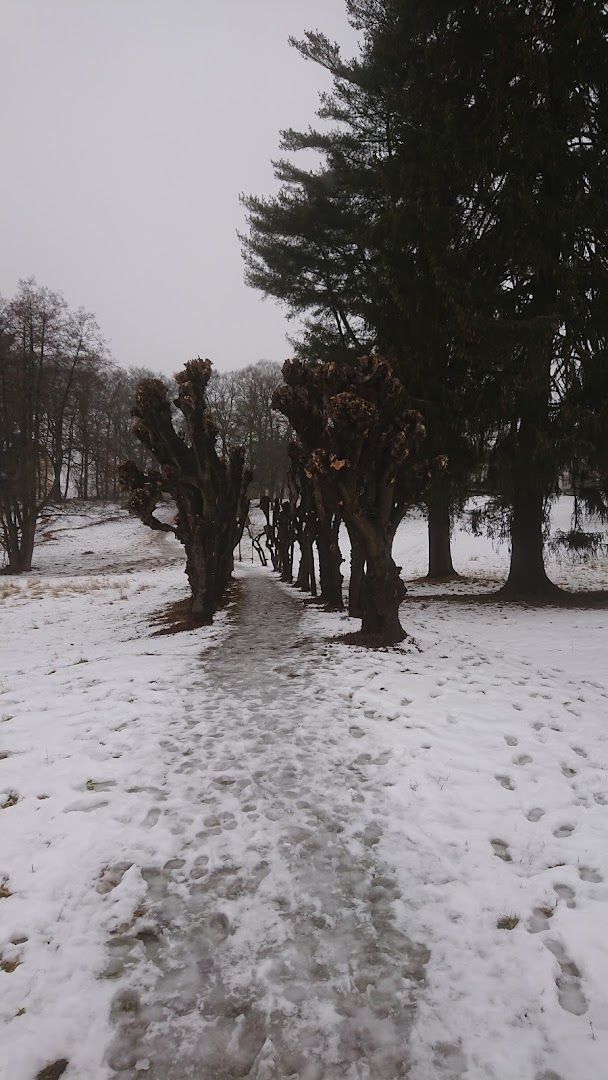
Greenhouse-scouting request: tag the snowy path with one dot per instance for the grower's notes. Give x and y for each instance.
(274, 932)
(252, 850)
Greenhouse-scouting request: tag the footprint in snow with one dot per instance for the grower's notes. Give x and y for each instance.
(110, 877)
(522, 759)
(449, 1060)
(501, 850)
(579, 750)
(539, 920)
(566, 893)
(86, 805)
(151, 818)
(586, 873)
(563, 830)
(568, 982)
(535, 814)
(510, 740)
(568, 771)
(506, 782)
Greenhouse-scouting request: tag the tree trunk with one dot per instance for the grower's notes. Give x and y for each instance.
(285, 544)
(330, 560)
(357, 576)
(202, 573)
(306, 570)
(28, 535)
(439, 529)
(20, 545)
(527, 575)
(382, 593)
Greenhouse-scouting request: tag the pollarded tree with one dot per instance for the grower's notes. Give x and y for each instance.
(209, 487)
(362, 445)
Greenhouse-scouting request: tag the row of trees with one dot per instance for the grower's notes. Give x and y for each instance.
(358, 459)
(457, 225)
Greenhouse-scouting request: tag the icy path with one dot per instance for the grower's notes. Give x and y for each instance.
(270, 946)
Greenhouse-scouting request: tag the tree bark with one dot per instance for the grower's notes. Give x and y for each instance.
(306, 571)
(439, 530)
(357, 575)
(285, 543)
(330, 560)
(382, 594)
(528, 578)
(19, 544)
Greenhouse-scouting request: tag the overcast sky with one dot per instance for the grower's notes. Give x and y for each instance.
(129, 129)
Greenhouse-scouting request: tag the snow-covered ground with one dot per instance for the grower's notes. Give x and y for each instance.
(252, 850)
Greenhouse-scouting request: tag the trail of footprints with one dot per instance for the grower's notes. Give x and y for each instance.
(238, 955)
(569, 978)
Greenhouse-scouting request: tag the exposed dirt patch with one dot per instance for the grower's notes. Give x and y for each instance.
(54, 1071)
(177, 617)
(369, 641)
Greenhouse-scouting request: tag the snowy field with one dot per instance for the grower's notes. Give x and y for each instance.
(254, 851)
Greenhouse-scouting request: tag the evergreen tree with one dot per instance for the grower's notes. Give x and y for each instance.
(466, 181)
(375, 245)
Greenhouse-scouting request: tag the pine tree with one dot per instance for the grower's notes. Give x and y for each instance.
(375, 247)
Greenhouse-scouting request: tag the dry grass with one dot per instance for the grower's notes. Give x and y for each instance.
(507, 922)
(36, 589)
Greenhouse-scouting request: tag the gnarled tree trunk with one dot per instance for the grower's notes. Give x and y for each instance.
(382, 594)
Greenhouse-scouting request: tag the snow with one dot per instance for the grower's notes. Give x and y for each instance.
(253, 850)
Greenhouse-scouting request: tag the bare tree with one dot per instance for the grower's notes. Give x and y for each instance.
(25, 468)
(241, 404)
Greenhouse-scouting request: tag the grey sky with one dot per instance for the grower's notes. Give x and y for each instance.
(129, 128)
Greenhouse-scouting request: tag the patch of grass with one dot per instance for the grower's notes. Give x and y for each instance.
(507, 922)
(5, 892)
(12, 800)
